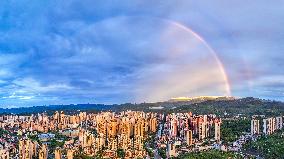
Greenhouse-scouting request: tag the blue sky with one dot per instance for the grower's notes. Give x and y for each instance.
(71, 51)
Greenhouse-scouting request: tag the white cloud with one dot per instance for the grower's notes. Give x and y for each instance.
(32, 85)
(21, 97)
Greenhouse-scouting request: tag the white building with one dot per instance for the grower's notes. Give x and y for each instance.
(254, 127)
(269, 126)
(279, 122)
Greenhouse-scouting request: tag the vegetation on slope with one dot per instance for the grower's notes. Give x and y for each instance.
(231, 130)
(270, 147)
(212, 154)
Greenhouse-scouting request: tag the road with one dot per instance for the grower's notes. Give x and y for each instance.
(156, 154)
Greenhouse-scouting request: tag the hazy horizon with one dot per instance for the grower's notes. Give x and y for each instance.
(58, 104)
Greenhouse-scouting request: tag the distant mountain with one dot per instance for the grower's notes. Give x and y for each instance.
(223, 106)
(242, 106)
(51, 108)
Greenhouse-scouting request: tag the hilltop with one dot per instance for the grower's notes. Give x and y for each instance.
(200, 98)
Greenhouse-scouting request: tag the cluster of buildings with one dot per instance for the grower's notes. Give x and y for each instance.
(65, 136)
(115, 135)
(269, 125)
(260, 125)
(181, 131)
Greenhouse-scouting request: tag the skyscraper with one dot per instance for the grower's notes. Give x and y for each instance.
(43, 152)
(217, 130)
(188, 136)
(254, 127)
(171, 149)
(279, 122)
(57, 153)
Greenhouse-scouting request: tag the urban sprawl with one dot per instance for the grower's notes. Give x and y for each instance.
(127, 134)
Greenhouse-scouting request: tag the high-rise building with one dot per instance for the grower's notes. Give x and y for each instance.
(188, 136)
(171, 149)
(58, 153)
(153, 124)
(279, 122)
(112, 129)
(112, 144)
(4, 154)
(268, 126)
(123, 142)
(70, 153)
(27, 149)
(174, 128)
(56, 117)
(138, 143)
(99, 142)
(217, 130)
(201, 130)
(206, 126)
(254, 127)
(43, 152)
(273, 125)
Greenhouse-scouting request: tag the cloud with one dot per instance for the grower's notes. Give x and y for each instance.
(78, 52)
(14, 96)
(29, 84)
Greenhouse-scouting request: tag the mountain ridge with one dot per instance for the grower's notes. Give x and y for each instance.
(202, 105)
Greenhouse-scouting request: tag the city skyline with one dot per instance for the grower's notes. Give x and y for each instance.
(135, 51)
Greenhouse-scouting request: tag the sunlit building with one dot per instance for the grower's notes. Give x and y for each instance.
(58, 153)
(43, 152)
(188, 136)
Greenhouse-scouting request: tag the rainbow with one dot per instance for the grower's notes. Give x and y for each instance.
(211, 50)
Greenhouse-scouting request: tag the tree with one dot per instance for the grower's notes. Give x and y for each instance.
(120, 153)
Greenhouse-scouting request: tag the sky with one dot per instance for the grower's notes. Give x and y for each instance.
(73, 51)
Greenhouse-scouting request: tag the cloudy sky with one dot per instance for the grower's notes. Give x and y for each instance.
(74, 51)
